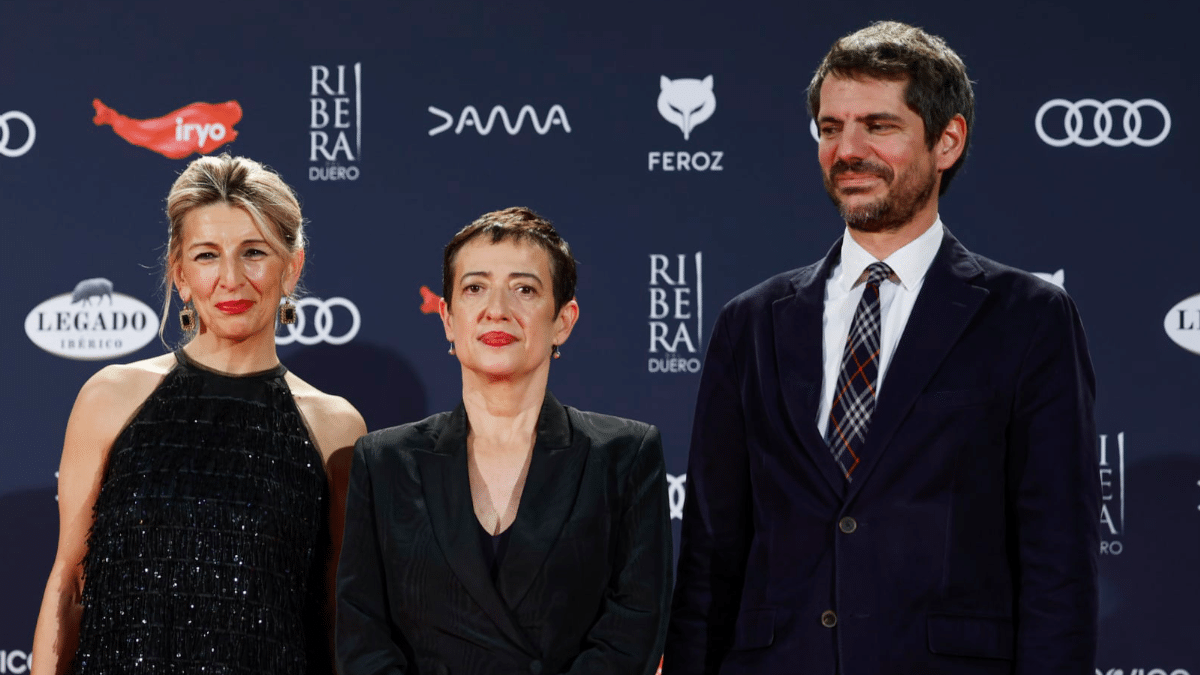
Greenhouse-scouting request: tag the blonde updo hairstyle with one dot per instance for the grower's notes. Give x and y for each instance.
(239, 182)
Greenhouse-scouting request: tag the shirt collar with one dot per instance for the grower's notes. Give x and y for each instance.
(909, 264)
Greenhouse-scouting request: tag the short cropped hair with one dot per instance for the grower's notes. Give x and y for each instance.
(519, 224)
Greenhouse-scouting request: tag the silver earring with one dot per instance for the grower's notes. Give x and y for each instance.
(187, 318)
(287, 311)
(451, 352)
(554, 351)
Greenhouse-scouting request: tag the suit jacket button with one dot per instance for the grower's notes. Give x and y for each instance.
(535, 667)
(847, 525)
(829, 618)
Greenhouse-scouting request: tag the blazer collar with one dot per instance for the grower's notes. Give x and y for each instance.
(549, 493)
(947, 302)
(797, 321)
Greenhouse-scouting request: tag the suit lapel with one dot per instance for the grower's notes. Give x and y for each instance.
(799, 334)
(946, 304)
(447, 492)
(547, 500)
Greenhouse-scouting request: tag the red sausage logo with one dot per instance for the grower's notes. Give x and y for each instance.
(199, 127)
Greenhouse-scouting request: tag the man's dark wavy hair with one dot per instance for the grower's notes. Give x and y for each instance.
(938, 87)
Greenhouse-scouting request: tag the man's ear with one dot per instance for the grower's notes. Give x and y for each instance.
(953, 141)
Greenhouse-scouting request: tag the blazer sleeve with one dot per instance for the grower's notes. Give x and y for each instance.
(1055, 496)
(628, 635)
(717, 527)
(363, 631)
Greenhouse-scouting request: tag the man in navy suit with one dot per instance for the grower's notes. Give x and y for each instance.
(893, 465)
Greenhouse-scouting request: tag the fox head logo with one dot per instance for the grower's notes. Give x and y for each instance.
(686, 102)
(1057, 278)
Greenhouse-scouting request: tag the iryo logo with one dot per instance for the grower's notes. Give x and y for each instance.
(470, 118)
(676, 312)
(199, 127)
(334, 112)
(91, 323)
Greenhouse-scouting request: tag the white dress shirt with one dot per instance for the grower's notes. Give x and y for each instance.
(896, 299)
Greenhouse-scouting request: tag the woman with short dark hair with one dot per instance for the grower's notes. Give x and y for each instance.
(512, 534)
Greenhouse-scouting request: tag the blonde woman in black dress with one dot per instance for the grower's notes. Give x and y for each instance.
(200, 492)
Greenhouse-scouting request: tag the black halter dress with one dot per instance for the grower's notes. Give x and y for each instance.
(209, 545)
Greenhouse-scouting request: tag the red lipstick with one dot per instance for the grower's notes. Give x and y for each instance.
(235, 306)
(497, 338)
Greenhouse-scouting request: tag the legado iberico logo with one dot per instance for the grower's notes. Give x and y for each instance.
(92, 323)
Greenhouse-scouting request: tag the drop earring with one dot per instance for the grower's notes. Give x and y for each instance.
(451, 352)
(554, 352)
(287, 311)
(187, 318)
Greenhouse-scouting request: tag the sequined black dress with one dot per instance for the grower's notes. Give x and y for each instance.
(208, 550)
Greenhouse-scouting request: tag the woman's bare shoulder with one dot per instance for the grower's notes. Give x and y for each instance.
(109, 398)
(336, 423)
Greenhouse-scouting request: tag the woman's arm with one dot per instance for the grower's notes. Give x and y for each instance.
(627, 638)
(336, 425)
(103, 407)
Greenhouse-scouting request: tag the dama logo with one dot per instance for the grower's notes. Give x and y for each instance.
(686, 102)
(469, 117)
(199, 127)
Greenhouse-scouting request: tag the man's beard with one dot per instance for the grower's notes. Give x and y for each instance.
(888, 213)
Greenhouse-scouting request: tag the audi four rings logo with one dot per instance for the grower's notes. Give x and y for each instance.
(1102, 122)
(676, 492)
(323, 323)
(5, 134)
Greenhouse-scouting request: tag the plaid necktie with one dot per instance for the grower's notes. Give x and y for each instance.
(854, 399)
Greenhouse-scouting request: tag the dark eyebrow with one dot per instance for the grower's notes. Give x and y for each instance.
(872, 117)
(879, 117)
(514, 275)
(525, 275)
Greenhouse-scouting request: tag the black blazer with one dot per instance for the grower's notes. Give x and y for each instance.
(584, 586)
(968, 541)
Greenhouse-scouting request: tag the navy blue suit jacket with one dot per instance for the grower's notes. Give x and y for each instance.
(968, 541)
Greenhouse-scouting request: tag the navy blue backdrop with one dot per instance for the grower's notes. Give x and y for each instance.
(398, 123)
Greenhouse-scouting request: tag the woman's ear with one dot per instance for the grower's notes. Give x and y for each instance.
(291, 276)
(567, 316)
(447, 320)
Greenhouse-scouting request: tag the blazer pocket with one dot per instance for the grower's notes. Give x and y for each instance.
(755, 629)
(986, 637)
(955, 398)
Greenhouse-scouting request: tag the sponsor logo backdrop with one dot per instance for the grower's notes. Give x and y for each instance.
(398, 124)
